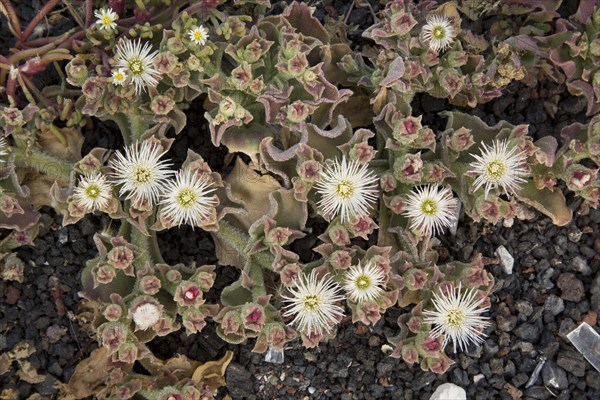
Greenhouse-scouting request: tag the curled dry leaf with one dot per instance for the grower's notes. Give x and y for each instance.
(212, 373)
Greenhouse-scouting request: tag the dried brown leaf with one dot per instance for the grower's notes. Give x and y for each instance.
(212, 373)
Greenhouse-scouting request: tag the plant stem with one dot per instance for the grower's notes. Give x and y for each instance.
(239, 240)
(137, 127)
(42, 162)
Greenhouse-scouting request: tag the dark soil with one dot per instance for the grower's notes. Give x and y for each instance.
(555, 285)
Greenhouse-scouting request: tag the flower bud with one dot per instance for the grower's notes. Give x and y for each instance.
(415, 279)
(120, 257)
(127, 353)
(339, 235)
(410, 355)
(149, 284)
(104, 274)
(175, 45)
(113, 312)
(460, 140)
(289, 274)
(173, 276)
(162, 105)
(340, 259)
(188, 294)
(253, 317)
(76, 71)
(92, 89)
(231, 323)
(112, 335)
(362, 152)
(387, 182)
(408, 168)
(227, 107)
(297, 112)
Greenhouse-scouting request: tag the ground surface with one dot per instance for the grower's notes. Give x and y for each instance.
(554, 286)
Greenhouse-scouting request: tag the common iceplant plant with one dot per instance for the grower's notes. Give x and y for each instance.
(323, 149)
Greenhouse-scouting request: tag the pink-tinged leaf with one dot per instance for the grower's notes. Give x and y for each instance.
(576, 130)
(585, 11)
(19, 222)
(549, 202)
(548, 146)
(395, 72)
(578, 88)
(300, 16)
(564, 61)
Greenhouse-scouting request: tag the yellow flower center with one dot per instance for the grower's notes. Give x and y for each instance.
(344, 189)
(92, 191)
(455, 318)
(142, 175)
(429, 207)
(312, 302)
(107, 20)
(119, 77)
(495, 169)
(363, 282)
(198, 35)
(186, 198)
(438, 32)
(136, 66)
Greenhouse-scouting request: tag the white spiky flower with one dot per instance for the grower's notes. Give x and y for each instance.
(438, 33)
(141, 172)
(3, 148)
(106, 18)
(138, 62)
(93, 192)
(313, 304)
(497, 166)
(364, 283)
(146, 316)
(457, 316)
(198, 35)
(186, 199)
(118, 76)
(431, 209)
(346, 188)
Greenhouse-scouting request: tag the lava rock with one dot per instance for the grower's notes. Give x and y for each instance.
(528, 332)
(554, 376)
(554, 304)
(239, 382)
(571, 287)
(572, 362)
(580, 264)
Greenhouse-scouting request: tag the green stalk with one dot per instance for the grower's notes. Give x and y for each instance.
(148, 246)
(138, 127)
(42, 162)
(239, 241)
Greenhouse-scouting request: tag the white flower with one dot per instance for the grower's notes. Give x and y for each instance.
(138, 62)
(198, 35)
(186, 199)
(364, 283)
(146, 316)
(119, 76)
(431, 209)
(92, 192)
(499, 166)
(458, 317)
(106, 18)
(312, 302)
(438, 33)
(3, 147)
(346, 188)
(141, 172)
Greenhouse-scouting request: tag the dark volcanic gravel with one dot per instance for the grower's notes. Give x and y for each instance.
(555, 285)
